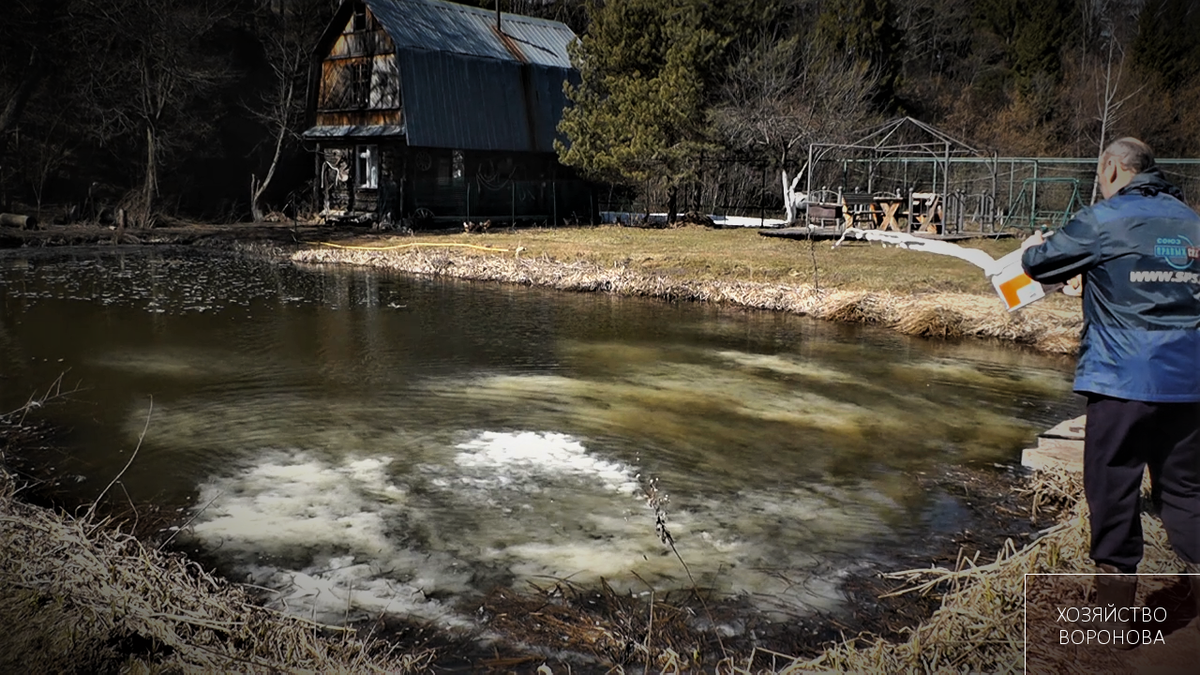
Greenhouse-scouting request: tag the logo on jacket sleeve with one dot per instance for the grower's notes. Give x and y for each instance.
(1178, 252)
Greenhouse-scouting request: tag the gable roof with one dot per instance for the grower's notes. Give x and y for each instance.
(471, 31)
(466, 85)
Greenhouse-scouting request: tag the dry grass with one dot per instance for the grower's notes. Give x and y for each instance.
(918, 294)
(980, 626)
(80, 596)
(703, 254)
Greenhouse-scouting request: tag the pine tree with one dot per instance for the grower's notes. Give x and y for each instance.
(1033, 33)
(1165, 46)
(865, 31)
(647, 71)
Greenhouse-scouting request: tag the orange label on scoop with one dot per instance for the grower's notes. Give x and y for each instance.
(1010, 290)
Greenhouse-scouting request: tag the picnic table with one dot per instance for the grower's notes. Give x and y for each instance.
(872, 212)
(922, 211)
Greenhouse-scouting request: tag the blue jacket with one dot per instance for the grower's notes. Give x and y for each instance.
(1140, 254)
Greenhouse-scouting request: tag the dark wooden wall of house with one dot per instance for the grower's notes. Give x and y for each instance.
(360, 82)
(488, 186)
(342, 192)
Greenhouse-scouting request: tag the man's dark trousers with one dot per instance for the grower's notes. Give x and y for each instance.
(1121, 439)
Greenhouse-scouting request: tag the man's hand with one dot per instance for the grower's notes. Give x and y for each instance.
(1035, 239)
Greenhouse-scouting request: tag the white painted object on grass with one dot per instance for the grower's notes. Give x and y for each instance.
(794, 201)
(1014, 287)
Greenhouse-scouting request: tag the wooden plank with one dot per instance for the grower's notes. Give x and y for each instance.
(1054, 454)
(1069, 430)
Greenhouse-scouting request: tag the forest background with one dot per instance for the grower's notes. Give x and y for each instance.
(193, 108)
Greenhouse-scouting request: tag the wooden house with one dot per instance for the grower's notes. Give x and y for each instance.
(434, 111)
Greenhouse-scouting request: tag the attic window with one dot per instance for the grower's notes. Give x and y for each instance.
(360, 84)
(360, 17)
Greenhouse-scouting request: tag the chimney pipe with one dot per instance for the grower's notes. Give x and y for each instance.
(498, 28)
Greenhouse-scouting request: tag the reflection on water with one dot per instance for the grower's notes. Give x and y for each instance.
(366, 443)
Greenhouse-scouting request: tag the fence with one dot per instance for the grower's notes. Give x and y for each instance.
(990, 194)
(723, 187)
(980, 194)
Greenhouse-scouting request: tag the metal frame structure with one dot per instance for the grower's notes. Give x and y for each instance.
(899, 138)
(973, 185)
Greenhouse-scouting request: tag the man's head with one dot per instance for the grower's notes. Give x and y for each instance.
(1121, 161)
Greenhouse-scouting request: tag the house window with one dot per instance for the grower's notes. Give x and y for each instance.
(366, 167)
(459, 167)
(359, 22)
(360, 84)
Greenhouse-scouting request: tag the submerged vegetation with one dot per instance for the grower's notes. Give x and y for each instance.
(81, 595)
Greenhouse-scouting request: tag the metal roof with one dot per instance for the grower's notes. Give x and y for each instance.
(470, 31)
(466, 86)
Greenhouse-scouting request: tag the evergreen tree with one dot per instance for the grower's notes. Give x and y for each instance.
(1032, 33)
(865, 32)
(647, 71)
(1166, 45)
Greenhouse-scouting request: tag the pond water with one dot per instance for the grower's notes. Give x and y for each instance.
(365, 442)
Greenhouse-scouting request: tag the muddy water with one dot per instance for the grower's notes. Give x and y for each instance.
(363, 442)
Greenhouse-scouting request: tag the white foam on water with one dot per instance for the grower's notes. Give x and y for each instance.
(506, 459)
(317, 519)
(345, 590)
(361, 535)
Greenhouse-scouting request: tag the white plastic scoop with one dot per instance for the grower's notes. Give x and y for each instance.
(1013, 286)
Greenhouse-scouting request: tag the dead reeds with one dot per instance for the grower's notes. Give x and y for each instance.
(80, 596)
(980, 626)
(946, 315)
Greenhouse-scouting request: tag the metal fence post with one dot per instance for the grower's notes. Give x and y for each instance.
(1033, 198)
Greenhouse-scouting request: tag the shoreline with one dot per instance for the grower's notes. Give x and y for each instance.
(1048, 326)
(931, 315)
(938, 315)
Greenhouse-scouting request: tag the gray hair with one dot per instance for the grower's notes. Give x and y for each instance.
(1131, 153)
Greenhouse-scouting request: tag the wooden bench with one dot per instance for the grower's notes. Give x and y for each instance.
(858, 210)
(823, 206)
(926, 212)
(820, 214)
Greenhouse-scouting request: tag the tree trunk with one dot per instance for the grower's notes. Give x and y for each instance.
(16, 104)
(258, 188)
(672, 203)
(151, 185)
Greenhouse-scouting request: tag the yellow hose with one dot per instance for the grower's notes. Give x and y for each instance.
(400, 246)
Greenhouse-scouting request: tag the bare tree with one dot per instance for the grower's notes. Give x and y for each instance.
(287, 30)
(151, 71)
(781, 97)
(1109, 103)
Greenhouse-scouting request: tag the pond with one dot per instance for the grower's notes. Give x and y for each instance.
(363, 442)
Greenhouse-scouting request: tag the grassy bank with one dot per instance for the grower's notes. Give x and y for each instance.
(987, 615)
(916, 293)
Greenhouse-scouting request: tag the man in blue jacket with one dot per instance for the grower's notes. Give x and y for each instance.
(1139, 359)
